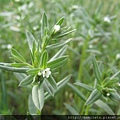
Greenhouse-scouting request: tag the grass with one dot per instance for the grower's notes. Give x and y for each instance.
(86, 17)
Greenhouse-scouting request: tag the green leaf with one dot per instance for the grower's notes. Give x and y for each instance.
(84, 86)
(53, 46)
(65, 33)
(38, 96)
(44, 24)
(110, 82)
(14, 69)
(71, 109)
(104, 107)
(31, 106)
(33, 71)
(20, 65)
(60, 21)
(94, 96)
(115, 96)
(27, 81)
(117, 73)
(59, 53)
(30, 40)
(79, 93)
(17, 56)
(20, 76)
(60, 85)
(44, 59)
(49, 88)
(52, 82)
(97, 71)
(57, 62)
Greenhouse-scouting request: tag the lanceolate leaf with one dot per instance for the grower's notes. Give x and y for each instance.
(38, 96)
(33, 71)
(27, 81)
(60, 85)
(32, 108)
(97, 71)
(104, 107)
(16, 56)
(30, 40)
(49, 88)
(71, 109)
(79, 93)
(53, 46)
(44, 24)
(20, 65)
(115, 96)
(53, 82)
(44, 59)
(65, 33)
(59, 53)
(57, 62)
(84, 86)
(14, 69)
(94, 96)
(60, 21)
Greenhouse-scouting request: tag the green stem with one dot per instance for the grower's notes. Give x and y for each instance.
(87, 110)
(80, 71)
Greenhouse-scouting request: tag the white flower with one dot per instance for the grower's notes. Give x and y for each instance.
(107, 19)
(39, 73)
(56, 28)
(118, 56)
(108, 94)
(46, 73)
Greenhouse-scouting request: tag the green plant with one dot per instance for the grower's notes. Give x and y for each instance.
(38, 74)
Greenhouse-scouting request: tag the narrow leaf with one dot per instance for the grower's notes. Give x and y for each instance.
(115, 96)
(71, 109)
(17, 56)
(38, 96)
(30, 40)
(79, 93)
(104, 107)
(14, 69)
(33, 71)
(20, 76)
(59, 53)
(53, 82)
(94, 96)
(27, 81)
(97, 71)
(57, 62)
(20, 64)
(60, 21)
(53, 46)
(60, 85)
(44, 59)
(49, 88)
(84, 86)
(66, 33)
(31, 106)
(44, 24)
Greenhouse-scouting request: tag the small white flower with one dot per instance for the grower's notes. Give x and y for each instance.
(46, 73)
(108, 94)
(118, 56)
(107, 19)
(9, 46)
(118, 84)
(56, 28)
(39, 73)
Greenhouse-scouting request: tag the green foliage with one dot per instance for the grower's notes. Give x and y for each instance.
(34, 46)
